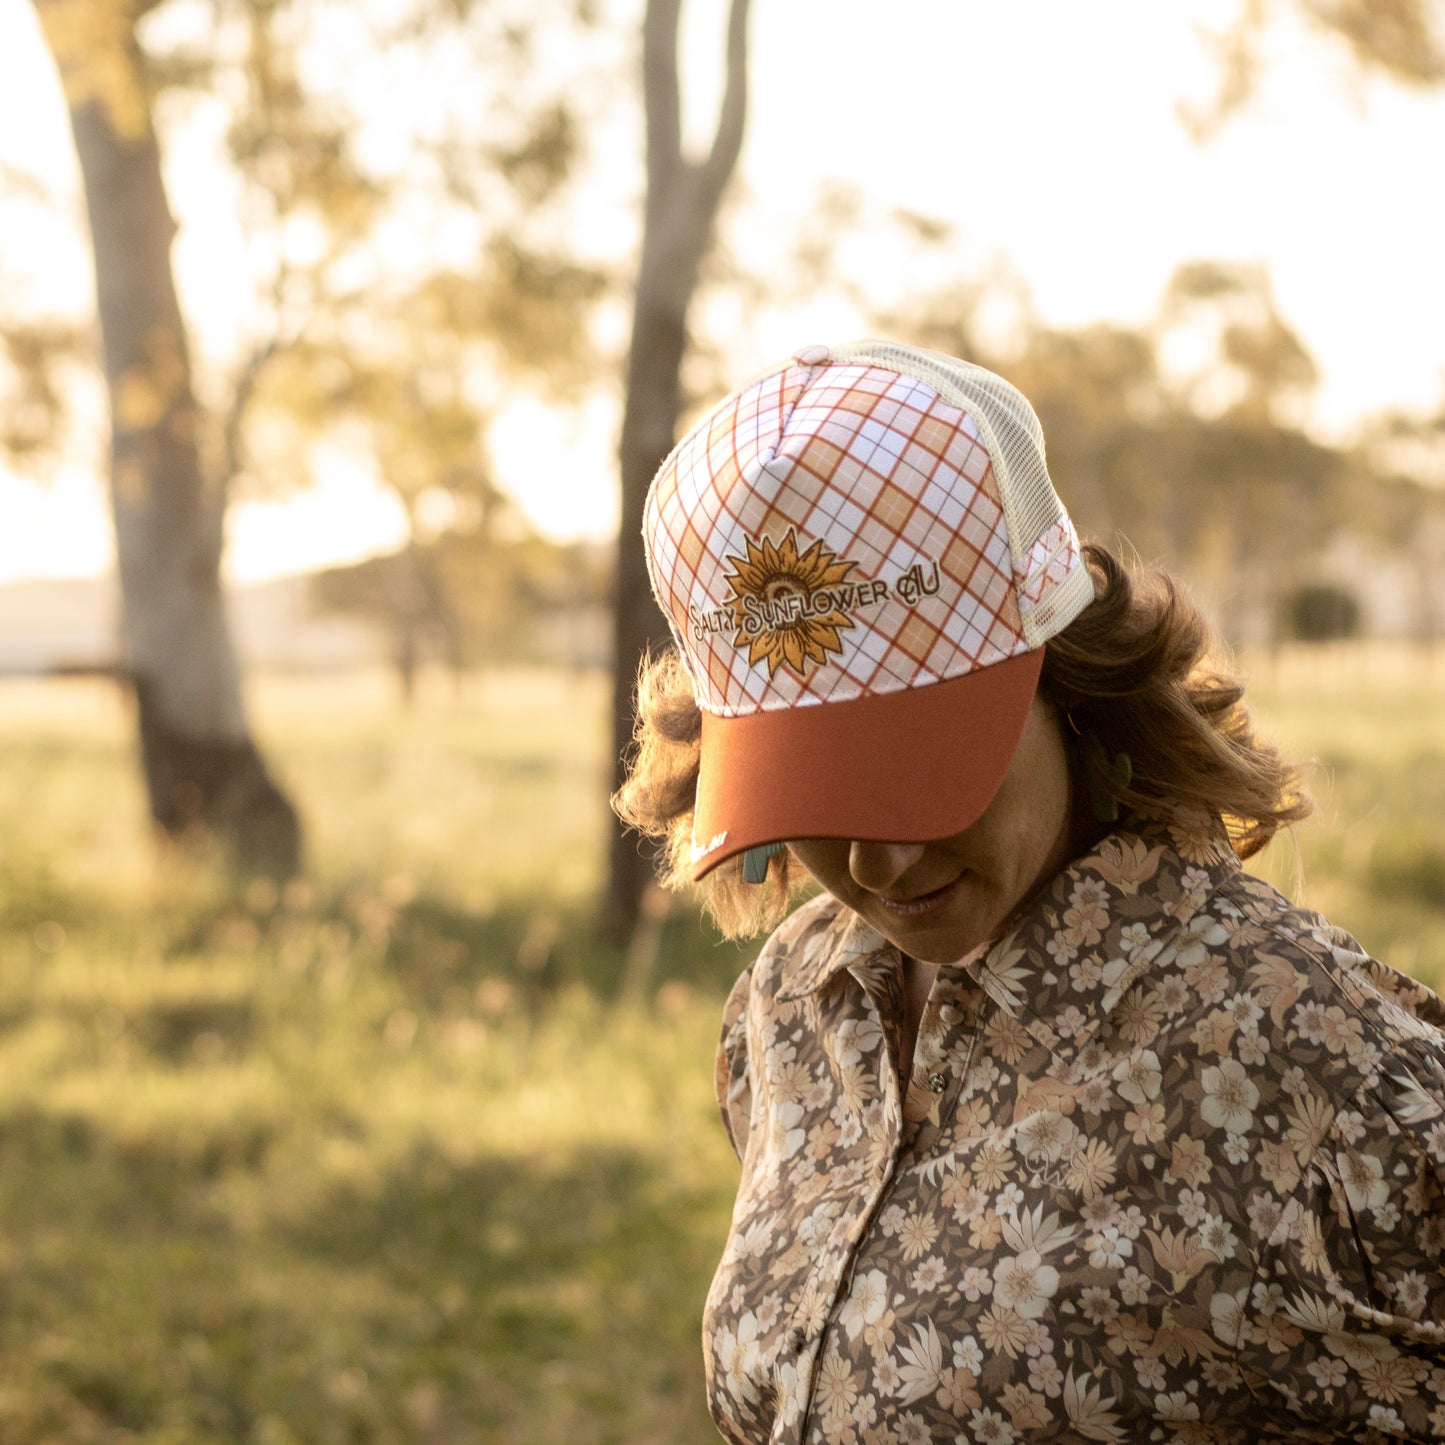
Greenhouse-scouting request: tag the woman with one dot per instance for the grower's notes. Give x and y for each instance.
(1054, 1124)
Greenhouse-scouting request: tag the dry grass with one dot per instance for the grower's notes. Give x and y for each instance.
(1372, 720)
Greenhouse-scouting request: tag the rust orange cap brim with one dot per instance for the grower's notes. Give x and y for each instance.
(908, 767)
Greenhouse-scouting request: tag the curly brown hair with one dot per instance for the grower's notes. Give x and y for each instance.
(1139, 671)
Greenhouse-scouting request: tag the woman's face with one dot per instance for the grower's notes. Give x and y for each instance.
(938, 901)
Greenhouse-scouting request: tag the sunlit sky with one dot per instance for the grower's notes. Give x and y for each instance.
(1044, 130)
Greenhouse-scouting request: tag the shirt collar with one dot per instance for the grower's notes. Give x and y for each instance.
(1159, 868)
(844, 941)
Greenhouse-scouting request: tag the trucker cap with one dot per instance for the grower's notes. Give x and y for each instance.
(860, 556)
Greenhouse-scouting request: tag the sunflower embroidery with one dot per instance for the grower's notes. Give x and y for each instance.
(784, 609)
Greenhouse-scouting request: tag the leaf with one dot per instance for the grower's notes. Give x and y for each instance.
(923, 1364)
(1037, 1231)
(1089, 1411)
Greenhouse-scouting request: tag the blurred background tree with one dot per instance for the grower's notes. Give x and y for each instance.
(681, 209)
(202, 769)
(1401, 39)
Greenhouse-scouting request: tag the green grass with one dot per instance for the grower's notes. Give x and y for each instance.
(1372, 722)
(384, 1157)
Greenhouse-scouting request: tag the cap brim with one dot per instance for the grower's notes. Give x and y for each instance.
(909, 767)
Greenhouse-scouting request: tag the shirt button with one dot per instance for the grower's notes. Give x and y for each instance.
(799, 1340)
(936, 1082)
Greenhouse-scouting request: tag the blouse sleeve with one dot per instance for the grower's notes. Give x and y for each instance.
(1344, 1326)
(733, 1078)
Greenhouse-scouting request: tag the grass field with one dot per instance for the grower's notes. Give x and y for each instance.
(390, 1156)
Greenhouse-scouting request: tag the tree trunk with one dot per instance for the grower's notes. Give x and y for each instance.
(202, 770)
(682, 202)
(649, 423)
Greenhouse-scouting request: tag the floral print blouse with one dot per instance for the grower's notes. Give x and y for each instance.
(1169, 1166)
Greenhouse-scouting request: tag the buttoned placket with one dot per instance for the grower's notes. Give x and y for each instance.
(914, 1118)
(880, 978)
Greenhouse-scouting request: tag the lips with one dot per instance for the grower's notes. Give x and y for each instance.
(920, 904)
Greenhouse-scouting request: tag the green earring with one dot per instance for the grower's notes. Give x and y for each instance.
(1105, 779)
(756, 860)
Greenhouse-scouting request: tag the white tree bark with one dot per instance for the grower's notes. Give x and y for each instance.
(202, 770)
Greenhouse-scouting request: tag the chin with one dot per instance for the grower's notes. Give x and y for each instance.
(942, 945)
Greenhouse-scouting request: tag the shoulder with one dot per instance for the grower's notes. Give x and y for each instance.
(1322, 1071)
(752, 1006)
(1301, 1054)
(1313, 1017)
(1325, 997)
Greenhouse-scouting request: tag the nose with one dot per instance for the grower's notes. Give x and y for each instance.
(878, 866)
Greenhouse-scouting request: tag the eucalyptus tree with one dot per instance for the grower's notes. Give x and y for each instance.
(202, 768)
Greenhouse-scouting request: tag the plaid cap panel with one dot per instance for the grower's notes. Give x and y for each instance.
(833, 532)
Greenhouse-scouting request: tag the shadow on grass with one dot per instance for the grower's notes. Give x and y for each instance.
(207, 1234)
(551, 1300)
(538, 946)
(437, 948)
(492, 1300)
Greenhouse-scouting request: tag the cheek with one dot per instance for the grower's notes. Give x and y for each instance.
(1029, 821)
(1049, 822)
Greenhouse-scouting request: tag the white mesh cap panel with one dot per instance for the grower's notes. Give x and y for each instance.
(1054, 580)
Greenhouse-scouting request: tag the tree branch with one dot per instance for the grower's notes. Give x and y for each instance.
(728, 141)
(660, 87)
(232, 459)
